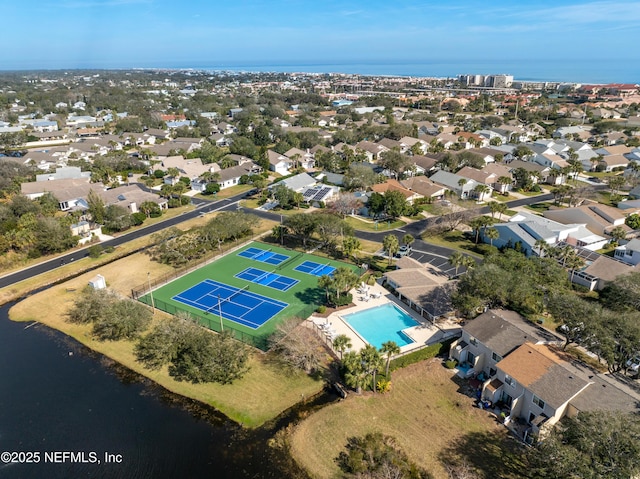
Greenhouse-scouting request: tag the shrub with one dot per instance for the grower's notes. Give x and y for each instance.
(417, 356)
(321, 309)
(342, 300)
(384, 386)
(94, 251)
(109, 249)
(450, 363)
(138, 218)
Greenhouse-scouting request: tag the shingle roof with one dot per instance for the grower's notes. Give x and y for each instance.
(502, 331)
(538, 369)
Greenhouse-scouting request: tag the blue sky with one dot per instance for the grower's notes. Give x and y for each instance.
(169, 33)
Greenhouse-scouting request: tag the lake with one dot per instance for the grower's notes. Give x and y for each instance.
(73, 406)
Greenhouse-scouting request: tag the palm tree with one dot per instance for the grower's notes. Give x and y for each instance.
(504, 182)
(492, 234)
(389, 348)
(574, 262)
(477, 223)
(541, 245)
(618, 233)
(355, 375)
(341, 343)
(481, 190)
(325, 282)
(350, 246)
(371, 362)
(408, 239)
(468, 262)
(343, 280)
(456, 260)
(298, 198)
(390, 245)
(461, 183)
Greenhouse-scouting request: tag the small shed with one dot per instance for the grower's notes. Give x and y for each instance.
(98, 282)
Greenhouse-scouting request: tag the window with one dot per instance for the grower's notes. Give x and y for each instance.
(509, 380)
(473, 341)
(496, 357)
(492, 372)
(538, 402)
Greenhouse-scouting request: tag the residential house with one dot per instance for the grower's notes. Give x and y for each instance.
(534, 384)
(447, 140)
(499, 172)
(279, 163)
(408, 143)
(614, 150)
(296, 183)
(303, 159)
(424, 165)
(571, 132)
(66, 172)
(612, 162)
(390, 144)
(231, 176)
(598, 270)
(556, 165)
(424, 187)
(463, 187)
(130, 197)
(539, 173)
(599, 219)
(492, 336)
(70, 193)
(489, 155)
(371, 150)
(525, 230)
(395, 185)
(628, 253)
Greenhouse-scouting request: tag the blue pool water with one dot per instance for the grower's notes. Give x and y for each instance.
(381, 324)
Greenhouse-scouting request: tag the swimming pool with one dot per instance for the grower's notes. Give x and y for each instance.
(381, 324)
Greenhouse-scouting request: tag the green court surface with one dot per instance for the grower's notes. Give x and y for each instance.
(302, 298)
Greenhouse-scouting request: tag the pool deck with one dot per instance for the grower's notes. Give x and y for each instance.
(424, 333)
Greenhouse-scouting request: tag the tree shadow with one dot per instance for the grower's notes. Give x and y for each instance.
(493, 454)
(311, 296)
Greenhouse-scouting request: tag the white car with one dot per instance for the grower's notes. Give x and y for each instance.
(404, 250)
(634, 363)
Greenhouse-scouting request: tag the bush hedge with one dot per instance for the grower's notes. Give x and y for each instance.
(427, 353)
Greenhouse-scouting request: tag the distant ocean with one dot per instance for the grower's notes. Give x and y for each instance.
(588, 71)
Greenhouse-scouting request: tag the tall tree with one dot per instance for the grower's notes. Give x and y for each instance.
(592, 445)
(391, 246)
(389, 348)
(341, 343)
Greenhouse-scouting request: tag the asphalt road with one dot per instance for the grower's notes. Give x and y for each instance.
(424, 252)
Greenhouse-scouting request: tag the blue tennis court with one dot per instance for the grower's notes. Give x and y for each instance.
(234, 304)
(265, 278)
(264, 255)
(315, 269)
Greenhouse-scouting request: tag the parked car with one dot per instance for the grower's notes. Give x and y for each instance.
(404, 250)
(634, 363)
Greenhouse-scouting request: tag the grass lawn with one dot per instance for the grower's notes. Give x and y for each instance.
(225, 193)
(539, 207)
(265, 392)
(502, 198)
(302, 298)
(452, 239)
(426, 414)
(363, 225)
